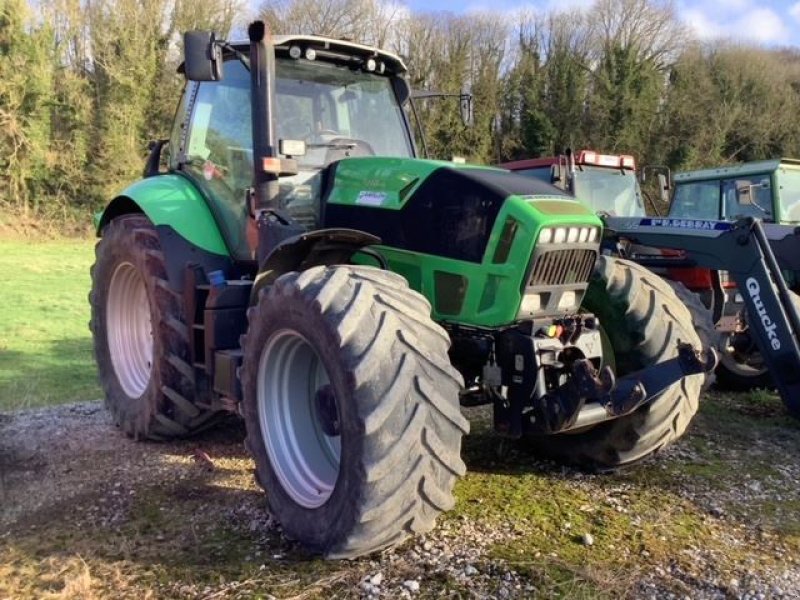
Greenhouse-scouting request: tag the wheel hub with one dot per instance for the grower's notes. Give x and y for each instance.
(325, 403)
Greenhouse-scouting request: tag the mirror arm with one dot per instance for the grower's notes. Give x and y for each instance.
(237, 53)
(420, 132)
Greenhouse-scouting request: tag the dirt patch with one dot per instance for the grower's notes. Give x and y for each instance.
(86, 512)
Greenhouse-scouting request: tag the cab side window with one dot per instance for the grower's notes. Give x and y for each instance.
(789, 184)
(178, 127)
(696, 200)
(219, 150)
(748, 197)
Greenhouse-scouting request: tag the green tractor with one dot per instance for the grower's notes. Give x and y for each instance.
(296, 263)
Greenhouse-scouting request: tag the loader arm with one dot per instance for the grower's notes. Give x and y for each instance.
(747, 250)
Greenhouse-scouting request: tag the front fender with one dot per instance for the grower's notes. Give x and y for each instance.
(320, 247)
(173, 201)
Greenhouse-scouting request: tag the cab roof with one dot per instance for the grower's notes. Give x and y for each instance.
(392, 61)
(750, 168)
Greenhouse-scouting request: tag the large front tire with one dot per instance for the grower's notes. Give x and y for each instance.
(702, 321)
(141, 340)
(644, 321)
(351, 408)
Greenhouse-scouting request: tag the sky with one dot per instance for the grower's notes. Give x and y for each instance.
(769, 22)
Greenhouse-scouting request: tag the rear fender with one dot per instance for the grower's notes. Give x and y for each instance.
(186, 228)
(170, 200)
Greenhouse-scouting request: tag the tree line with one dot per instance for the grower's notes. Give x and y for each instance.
(85, 84)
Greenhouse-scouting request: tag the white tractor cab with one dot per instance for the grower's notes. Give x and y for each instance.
(768, 190)
(608, 183)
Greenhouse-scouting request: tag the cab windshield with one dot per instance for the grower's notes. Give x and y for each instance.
(338, 112)
(729, 199)
(612, 191)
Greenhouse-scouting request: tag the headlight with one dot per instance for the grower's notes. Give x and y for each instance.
(572, 235)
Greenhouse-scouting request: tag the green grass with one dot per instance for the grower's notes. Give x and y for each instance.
(45, 344)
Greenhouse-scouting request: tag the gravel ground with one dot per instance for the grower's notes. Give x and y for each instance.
(86, 512)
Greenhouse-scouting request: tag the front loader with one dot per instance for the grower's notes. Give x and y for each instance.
(755, 254)
(299, 265)
(766, 190)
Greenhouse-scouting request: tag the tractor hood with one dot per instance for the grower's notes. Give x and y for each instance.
(438, 207)
(465, 235)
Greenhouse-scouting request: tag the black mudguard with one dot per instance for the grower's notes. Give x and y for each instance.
(321, 247)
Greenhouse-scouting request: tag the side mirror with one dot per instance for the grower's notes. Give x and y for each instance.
(202, 57)
(465, 107)
(664, 178)
(744, 196)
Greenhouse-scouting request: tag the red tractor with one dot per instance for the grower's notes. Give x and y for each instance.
(606, 182)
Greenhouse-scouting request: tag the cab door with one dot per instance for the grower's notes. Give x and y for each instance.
(218, 154)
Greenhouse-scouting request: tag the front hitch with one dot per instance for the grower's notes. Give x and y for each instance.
(562, 409)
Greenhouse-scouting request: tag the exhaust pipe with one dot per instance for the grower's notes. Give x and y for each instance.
(262, 82)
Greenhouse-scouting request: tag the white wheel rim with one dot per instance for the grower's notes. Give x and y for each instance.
(305, 459)
(130, 333)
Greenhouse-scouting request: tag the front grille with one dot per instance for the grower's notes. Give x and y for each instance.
(562, 267)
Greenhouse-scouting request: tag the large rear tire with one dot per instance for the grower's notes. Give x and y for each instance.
(644, 321)
(352, 409)
(141, 340)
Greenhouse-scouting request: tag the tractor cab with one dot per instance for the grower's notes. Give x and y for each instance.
(606, 182)
(768, 190)
(330, 100)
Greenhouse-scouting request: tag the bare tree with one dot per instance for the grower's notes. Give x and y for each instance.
(365, 21)
(651, 28)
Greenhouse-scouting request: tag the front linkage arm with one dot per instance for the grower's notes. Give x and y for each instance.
(745, 250)
(589, 396)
